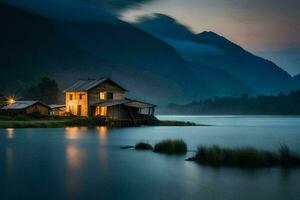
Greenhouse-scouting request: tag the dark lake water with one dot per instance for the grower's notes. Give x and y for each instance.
(82, 163)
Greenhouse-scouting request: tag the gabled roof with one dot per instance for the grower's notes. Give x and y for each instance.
(87, 84)
(127, 102)
(111, 102)
(55, 106)
(22, 105)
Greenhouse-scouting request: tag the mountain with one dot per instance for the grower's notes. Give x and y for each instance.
(70, 49)
(212, 50)
(288, 58)
(297, 80)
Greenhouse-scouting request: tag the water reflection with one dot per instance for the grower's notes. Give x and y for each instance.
(10, 133)
(103, 154)
(75, 161)
(102, 134)
(73, 133)
(73, 157)
(9, 155)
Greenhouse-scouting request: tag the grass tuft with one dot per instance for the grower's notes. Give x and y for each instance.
(177, 146)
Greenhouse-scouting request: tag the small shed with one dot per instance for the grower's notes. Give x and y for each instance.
(57, 110)
(25, 107)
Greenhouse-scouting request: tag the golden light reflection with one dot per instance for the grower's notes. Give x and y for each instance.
(102, 133)
(73, 156)
(74, 162)
(73, 133)
(10, 133)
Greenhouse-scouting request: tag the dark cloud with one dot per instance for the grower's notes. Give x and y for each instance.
(163, 26)
(120, 4)
(77, 9)
(176, 34)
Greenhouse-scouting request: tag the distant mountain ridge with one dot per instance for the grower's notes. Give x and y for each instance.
(213, 50)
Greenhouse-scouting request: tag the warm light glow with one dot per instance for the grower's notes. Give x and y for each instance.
(102, 95)
(11, 100)
(101, 111)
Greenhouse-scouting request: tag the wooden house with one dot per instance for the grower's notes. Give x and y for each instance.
(57, 110)
(103, 98)
(25, 107)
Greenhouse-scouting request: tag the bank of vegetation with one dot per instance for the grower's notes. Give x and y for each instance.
(36, 120)
(281, 104)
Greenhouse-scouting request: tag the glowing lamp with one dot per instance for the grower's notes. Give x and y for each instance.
(11, 100)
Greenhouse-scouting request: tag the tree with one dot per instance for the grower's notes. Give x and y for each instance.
(46, 91)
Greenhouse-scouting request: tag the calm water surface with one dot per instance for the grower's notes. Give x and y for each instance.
(81, 163)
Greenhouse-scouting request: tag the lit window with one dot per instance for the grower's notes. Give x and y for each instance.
(103, 111)
(71, 96)
(80, 96)
(102, 95)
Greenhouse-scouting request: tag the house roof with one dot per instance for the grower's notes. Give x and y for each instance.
(55, 106)
(87, 84)
(127, 102)
(21, 105)
(111, 102)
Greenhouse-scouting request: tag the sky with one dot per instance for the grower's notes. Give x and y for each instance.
(268, 28)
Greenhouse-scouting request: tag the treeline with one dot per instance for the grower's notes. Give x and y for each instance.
(282, 104)
(45, 90)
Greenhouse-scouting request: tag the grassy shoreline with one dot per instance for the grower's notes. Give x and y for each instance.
(60, 122)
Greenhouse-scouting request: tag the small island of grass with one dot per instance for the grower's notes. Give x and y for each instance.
(168, 146)
(245, 157)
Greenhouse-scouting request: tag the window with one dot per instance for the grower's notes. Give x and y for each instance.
(80, 96)
(71, 96)
(101, 111)
(110, 95)
(102, 95)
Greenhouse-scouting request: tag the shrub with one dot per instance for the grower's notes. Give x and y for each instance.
(171, 147)
(143, 146)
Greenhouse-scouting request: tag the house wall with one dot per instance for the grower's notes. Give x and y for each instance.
(58, 112)
(94, 94)
(72, 105)
(38, 108)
